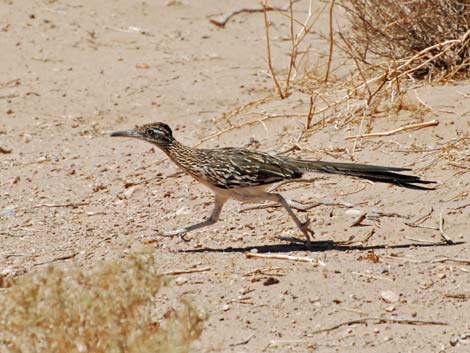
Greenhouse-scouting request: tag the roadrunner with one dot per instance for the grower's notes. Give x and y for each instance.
(244, 175)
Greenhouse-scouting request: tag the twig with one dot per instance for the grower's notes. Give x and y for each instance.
(463, 94)
(394, 257)
(293, 54)
(248, 123)
(60, 258)
(183, 272)
(282, 257)
(371, 276)
(359, 219)
(461, 207)
(293, 181)
(359, 69)
(441, 230)
(351, 240)
(242, 342)
(11, 83)
(424, 241)
(306, 208)
(330, 56)
(359, 189)
(311, 110)
(268, 47)
(379, 320)
(450, 259)
(412, 225)
(461, 296)
(222, 20)
(409, 127)
(421, 219)
(78, 204)
(264, 271)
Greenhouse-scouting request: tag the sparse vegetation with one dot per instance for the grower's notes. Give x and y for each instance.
(109, 309)
(436, 31)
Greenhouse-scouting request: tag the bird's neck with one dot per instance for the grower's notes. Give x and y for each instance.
(178, 153)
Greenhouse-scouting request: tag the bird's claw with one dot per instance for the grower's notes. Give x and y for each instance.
(306, 223)
(307, 231)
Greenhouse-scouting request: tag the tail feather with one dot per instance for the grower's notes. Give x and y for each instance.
(369, 172)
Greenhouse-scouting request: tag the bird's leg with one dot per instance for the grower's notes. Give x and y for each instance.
(303, 226)
(213, 218)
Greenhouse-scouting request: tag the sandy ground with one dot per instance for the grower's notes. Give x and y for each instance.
(71, 72)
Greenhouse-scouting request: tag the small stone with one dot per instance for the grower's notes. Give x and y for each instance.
(183, 211)
(454, 340)
(389, 297)
(353, 212)
(8, 212)
(142, 66)
(129, 192)
(226, 307)
(180, 281)
(270, 281)
(390, 308)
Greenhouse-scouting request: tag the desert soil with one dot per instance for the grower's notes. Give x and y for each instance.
(73, 71)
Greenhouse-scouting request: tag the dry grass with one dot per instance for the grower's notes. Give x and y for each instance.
(110, 309)
(397, 30)
(388, 46)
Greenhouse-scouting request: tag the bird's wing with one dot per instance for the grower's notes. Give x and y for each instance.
(233, 168)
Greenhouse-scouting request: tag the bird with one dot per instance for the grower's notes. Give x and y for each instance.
(244, 175)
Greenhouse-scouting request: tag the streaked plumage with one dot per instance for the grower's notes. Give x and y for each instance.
(241, 173)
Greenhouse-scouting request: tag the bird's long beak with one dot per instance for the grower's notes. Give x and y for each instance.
(126, 133)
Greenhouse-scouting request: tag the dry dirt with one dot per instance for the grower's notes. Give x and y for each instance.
(72, 71)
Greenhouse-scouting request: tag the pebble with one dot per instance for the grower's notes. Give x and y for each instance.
(180, 281)
(389, 296)
(8, 212)
(353, 213)
(454, 340)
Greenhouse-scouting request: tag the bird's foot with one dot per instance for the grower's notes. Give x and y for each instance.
(309, 233)
(175, 233)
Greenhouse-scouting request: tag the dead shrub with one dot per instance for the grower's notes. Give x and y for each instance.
(402, 29)
(106, 310)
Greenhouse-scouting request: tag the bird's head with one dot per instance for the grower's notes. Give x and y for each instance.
(159, 134)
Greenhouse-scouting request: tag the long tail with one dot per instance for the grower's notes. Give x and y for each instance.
(370, 172)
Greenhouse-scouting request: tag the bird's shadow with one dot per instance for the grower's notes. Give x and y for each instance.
(296, 244)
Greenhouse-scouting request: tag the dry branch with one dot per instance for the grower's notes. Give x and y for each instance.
(379, 320)
(60, 258)
(437, 44)
(222, 20)
(74, 205)
(441, 230)
(268, 47)
(451, 259)
(330, 55)
(283, 257)
(249, 123)
(183, 272)
(410, 127)
(298, 205)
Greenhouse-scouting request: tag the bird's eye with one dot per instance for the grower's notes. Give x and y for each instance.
(150, 133)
